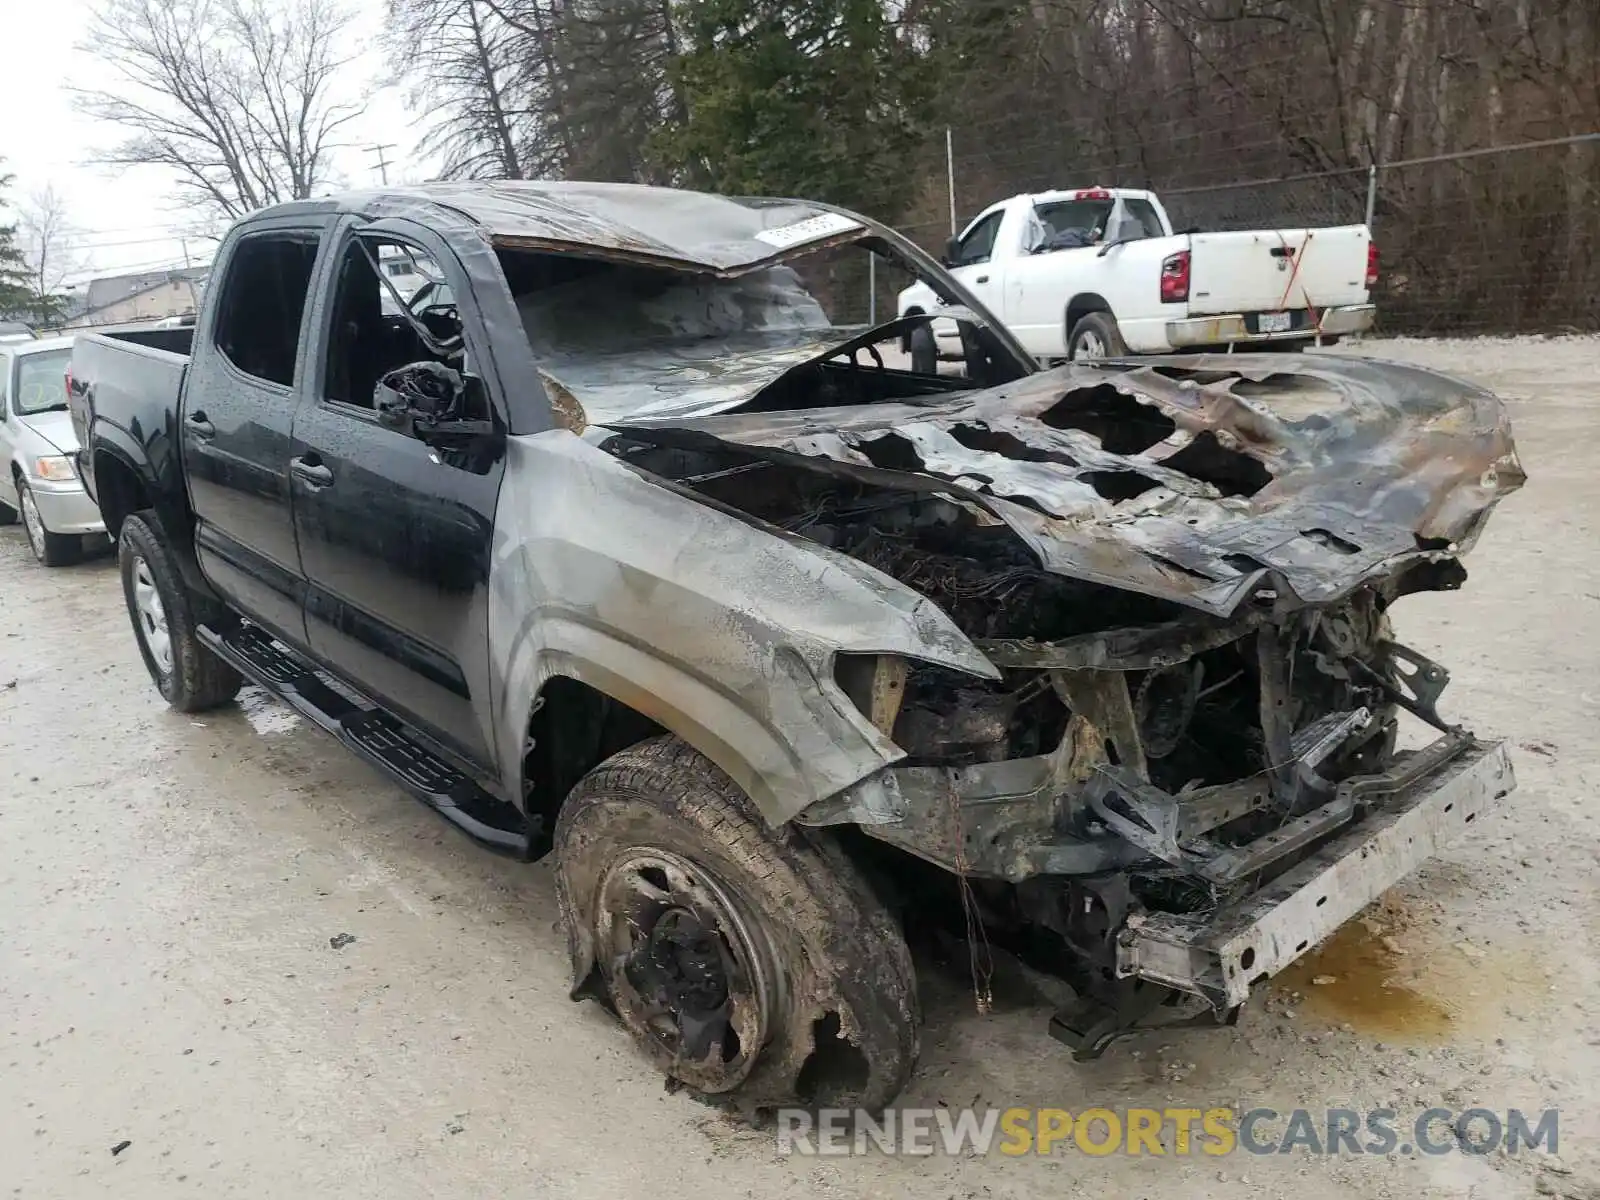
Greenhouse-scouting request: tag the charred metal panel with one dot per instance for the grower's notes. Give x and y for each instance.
(660, 226)
(1205, 480)
(716, 627)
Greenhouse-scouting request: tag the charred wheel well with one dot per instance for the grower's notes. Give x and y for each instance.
(573, 729)
(118, 490)
(1080, 307)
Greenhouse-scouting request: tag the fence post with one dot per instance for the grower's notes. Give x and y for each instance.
(950, 174)
(1372, 193)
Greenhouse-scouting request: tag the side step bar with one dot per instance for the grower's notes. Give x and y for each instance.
(376, 735)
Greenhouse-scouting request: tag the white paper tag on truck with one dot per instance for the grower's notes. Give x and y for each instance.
(812, 229)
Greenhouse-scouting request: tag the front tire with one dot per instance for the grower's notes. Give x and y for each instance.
(1096, 336)
(51, 549)
(164, 612)
(749, 963)
(924, 351)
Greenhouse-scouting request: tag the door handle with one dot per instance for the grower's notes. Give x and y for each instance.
(981, 279)
(312, 474)
(200, 426)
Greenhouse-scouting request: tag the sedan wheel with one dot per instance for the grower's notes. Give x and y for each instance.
(152, 615)
(33, 523)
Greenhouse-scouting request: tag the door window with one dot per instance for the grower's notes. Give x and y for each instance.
(392, 308)
(1144, 214)
(978, 243)
(263, 299)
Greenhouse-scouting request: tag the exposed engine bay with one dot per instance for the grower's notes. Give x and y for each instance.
(1185, 589)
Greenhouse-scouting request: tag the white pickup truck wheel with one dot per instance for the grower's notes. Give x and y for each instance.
(1096, 336)
(924, 351)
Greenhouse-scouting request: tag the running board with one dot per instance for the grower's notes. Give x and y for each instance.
(376, 735)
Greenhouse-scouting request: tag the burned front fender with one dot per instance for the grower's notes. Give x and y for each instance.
(717, 627)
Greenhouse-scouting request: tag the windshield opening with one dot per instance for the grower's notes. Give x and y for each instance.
(41, 382)
(638, 339)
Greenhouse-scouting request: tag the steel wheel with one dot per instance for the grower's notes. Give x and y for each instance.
(687, 972)
(1090, 346)
(152, 615)
(33, 523)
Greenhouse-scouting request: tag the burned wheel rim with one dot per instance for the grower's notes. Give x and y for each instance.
(690, 974)
(33, 523)
(152, 616)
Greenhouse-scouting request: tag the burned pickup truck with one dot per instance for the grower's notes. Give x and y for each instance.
(619, 539)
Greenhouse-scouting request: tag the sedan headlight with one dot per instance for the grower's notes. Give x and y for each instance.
(58, 468)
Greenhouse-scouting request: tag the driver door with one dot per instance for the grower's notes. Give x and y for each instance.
(394, 541)
(973, 262)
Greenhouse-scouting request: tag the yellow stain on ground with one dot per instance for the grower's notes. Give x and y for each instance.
(1403, 988)
(1368, 987)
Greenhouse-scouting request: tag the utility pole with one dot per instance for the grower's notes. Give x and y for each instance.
(383, 163)
(950, 174)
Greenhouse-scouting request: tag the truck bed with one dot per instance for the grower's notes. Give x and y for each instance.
(125, 387)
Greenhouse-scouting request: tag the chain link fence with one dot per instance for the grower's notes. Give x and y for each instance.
(1484, 241)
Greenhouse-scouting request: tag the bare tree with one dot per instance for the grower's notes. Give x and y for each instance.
(50, 245)
(530, 89)
(234, 96)
(468, 73)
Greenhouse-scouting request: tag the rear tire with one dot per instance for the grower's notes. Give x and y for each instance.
(1096, 336)
(51, 549)
(924, 350)
(165, 614)
(750, 964)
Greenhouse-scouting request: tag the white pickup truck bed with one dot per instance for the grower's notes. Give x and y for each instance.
(1097, 271)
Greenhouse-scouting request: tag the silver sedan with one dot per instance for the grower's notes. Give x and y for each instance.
(38, 452)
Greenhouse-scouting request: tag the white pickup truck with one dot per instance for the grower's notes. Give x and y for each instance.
(1098, 272)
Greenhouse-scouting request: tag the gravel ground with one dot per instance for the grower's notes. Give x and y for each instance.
(169, 888)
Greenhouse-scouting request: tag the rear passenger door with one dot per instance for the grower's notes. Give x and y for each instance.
(238, 410)
(395, 537)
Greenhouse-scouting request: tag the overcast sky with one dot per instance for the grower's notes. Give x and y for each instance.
(128, 218)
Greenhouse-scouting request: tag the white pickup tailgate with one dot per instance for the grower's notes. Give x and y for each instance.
(1257, 271)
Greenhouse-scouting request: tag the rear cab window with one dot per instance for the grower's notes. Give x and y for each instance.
(263, 301)
(1085, 222)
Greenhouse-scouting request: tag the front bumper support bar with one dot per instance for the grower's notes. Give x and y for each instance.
(1222, 954)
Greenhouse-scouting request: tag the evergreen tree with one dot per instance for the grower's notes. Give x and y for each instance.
(812, 98)
(16, 296)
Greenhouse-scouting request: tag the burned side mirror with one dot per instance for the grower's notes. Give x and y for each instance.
(435, 404)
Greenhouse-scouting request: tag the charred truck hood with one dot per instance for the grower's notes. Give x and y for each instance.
(1205, 480)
